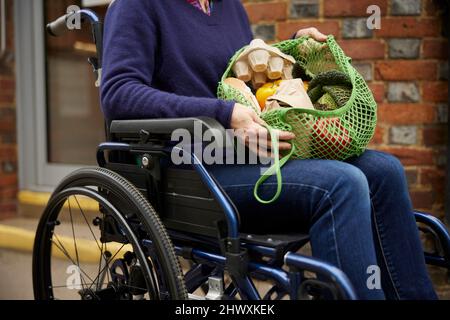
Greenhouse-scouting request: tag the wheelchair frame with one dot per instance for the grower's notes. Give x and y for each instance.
(215, 244)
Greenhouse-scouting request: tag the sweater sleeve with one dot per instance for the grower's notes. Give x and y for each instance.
(130, 48)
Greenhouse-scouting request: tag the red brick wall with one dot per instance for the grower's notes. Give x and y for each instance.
(404, 65)
(8, 152)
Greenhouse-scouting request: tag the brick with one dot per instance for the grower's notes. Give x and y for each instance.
(431, 176)
(411, 176)
(287, 29)
(435, 91)
(443, 70)
(404, 48)
(411, 156)
(7, 112)
(265, 32)
(378, 91)
(438, 186)
(363, 49)
(355, 28)
(441, 156)
(7, 151)
(406, 7)
(406, 135)
(7, 120)
(6, 98)
(7, 67)
(339, 8)
(409, 28)
(8, 180)
(9, 167)
(435, 49)
(406, 114)
(8, 138)
(432, 8)
(378, 137)
(422, 199)
(304, 9)
(258, 12)
(365, 69)
(405, 70)
(7, 85)
(435, 135)
(9, 193)
(403, 92)
(7, 126)
(442, 113)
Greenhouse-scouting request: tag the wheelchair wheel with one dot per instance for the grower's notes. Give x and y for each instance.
(100, 239)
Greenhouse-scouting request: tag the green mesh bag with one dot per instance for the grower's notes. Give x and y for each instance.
(336, 134)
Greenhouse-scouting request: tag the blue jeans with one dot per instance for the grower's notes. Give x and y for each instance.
(358, 214)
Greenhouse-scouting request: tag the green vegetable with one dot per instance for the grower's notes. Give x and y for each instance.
(340, 94)
(315, 94)
(330, 90)
(327, 101)
(330, 78)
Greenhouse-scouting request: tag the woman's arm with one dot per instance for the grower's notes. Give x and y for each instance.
(130, 49)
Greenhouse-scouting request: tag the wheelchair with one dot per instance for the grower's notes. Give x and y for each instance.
(141, 216)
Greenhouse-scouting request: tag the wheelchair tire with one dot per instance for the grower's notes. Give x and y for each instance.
(130, 214)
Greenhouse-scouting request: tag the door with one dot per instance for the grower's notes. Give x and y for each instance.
(59, 117)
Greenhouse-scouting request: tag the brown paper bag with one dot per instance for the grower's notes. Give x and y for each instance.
(290, 94)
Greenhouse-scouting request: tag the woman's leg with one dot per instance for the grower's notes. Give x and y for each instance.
(328, 198)
(397, 241)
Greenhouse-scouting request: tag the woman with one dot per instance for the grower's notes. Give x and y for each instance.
(163, 59)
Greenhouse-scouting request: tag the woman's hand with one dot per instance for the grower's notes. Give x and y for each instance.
(249, 128)
(312, 32)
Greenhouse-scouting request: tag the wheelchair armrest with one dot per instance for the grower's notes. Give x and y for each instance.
(166, 126)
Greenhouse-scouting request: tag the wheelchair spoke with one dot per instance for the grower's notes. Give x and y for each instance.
(107, 264)
(107, 273)
(61, 247)
(88, 224)
(67, 286)
(90, 284)
(64, 251)
(102, 258)
(73, 234)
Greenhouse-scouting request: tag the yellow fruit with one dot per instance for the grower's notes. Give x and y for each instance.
(306, 85)
(266, 91)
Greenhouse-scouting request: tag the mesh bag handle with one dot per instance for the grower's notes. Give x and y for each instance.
(274, 169)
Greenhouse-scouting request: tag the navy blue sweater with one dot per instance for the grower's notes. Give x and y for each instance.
(164, 58)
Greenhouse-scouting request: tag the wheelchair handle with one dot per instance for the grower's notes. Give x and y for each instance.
(60, 25)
